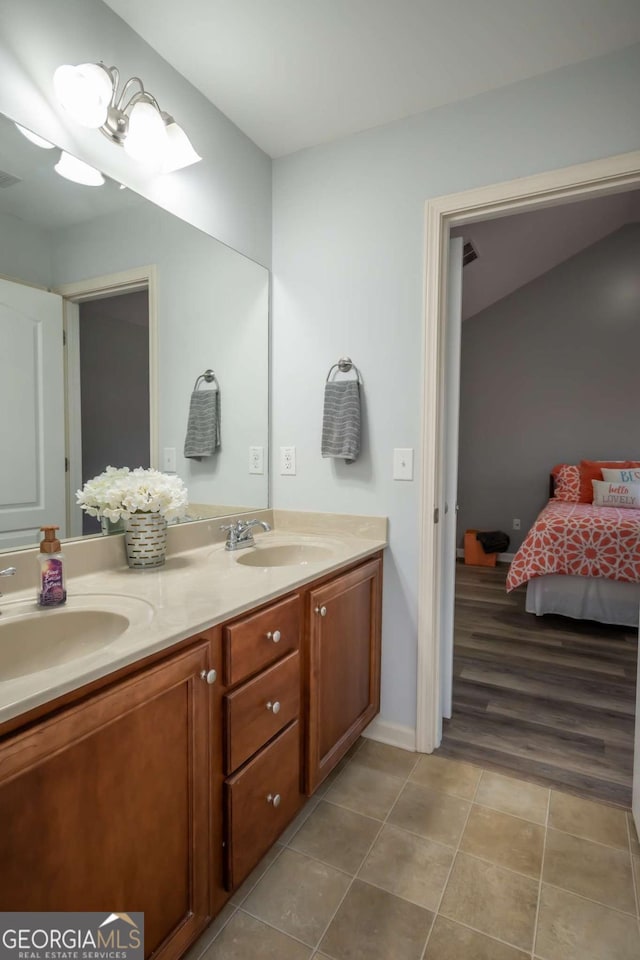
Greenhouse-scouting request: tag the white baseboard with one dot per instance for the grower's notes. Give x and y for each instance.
(502, 557)
(393, 734)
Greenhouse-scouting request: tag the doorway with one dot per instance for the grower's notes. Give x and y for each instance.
(591, 179)
(111, 380)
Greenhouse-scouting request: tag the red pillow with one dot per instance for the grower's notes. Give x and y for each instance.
(592, 470)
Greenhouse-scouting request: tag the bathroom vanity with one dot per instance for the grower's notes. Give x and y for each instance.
(159, 785)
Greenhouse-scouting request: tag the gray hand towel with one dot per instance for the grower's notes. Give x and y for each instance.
(341, 420)
(203, 425)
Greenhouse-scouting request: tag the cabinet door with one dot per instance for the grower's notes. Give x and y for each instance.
(344, 674)
(105, 805)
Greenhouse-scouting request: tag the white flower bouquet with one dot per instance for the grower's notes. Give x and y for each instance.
(119, 492)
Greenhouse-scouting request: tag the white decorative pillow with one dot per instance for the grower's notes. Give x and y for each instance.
(625, 475)
(607, 494)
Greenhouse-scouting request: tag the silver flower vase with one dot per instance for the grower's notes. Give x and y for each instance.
(145, 538)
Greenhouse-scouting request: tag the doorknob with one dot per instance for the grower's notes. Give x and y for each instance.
(209, 675)
(322, 611)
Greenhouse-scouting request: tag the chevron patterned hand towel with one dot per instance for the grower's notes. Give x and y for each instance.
(341, 420)
(203, 425)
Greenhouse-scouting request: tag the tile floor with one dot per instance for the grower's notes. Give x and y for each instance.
(407, 857)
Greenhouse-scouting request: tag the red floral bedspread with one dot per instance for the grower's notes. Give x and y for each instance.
(580, 539)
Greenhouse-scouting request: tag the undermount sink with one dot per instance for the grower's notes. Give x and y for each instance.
(286, 555)
(33, 639)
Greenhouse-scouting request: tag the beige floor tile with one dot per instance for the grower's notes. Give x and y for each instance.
(589, 869)
(365, 791)
(298, 896)
(633, 836)
(298, 820)
(586, 818)
(430, 814)
(495, 901)
(451, 941)
(504, 840)
(521, 799)
(372, 924)
(570, 928)
(386, 759)
(636, 871)
(447, 776)
(331, 778)
(408, 866)
(245, 889)
(337, 836)
(207, 936)
(245, 937)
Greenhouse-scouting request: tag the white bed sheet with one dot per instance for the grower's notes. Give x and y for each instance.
(585, 598)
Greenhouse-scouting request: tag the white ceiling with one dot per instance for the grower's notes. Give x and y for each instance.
(295, 73)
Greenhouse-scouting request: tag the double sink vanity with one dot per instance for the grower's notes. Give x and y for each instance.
(160, 731)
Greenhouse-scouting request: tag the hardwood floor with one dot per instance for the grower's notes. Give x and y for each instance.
(548, 699)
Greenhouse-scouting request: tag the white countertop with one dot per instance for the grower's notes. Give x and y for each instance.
(194, 590)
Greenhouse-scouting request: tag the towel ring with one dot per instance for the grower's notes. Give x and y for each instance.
(209, 376)
(344, 365)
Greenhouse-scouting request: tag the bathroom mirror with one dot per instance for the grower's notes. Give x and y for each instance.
(189, 304)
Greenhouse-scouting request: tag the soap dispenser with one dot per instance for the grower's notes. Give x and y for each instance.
(52, 591)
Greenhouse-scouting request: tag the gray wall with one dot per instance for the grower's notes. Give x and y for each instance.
(549, 374)
(348, 261)
(228, 194)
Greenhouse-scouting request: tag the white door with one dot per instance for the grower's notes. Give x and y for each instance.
(32, 478)
(450, 471)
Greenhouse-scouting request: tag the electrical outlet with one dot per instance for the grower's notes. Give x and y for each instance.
(515, 523)
(288, 461)
(256, 460)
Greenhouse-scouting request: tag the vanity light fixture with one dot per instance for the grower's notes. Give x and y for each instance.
(78, 171)
(132, 118)
(34, 138)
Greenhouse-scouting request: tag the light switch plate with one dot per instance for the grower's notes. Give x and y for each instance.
(169, 459)
(287, 461)
(256, 459)
(403, 463)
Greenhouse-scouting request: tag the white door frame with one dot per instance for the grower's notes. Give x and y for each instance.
(580, 181)
(125, 281)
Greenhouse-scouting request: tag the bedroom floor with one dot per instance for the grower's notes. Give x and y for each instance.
(400, 856)
(547, 699)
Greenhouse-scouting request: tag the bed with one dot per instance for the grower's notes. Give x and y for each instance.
(582, 561)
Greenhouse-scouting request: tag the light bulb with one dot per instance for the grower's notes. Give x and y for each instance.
(180, 152)
(146, 139)
(85, 92)
(78, 171)
(34, 138)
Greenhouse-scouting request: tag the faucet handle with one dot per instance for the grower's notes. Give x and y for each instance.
(8, 572)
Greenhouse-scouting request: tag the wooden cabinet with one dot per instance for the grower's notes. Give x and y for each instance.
(105, 805)
(344, 665)
(154, 790)
(262, 733)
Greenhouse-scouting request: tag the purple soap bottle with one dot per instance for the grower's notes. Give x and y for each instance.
(52, 590)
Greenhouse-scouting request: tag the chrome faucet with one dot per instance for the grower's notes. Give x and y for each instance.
(240, 533)
(7, 572)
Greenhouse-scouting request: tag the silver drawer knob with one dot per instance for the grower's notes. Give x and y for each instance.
(274, 799)
(209, 675)
(274, 635)
(274, 707)
(322, 611)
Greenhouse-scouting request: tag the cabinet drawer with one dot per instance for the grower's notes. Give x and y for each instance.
(256, 641)
(260, 801)
(259, 709)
